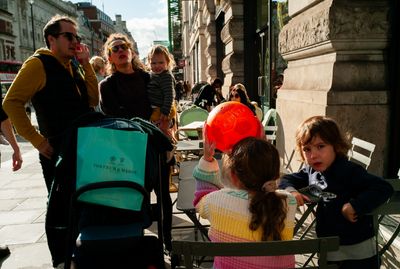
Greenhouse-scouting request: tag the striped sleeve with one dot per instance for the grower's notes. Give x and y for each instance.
(167, 84)
(207, 178)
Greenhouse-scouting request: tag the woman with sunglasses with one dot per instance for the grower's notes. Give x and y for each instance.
(123, 93)
(238, 93)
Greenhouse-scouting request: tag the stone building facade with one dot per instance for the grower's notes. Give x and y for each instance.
(213, 41)
(337, 64)
(17, 40)
(336, 67)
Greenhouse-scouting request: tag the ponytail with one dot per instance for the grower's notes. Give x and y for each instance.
(255, 162)
(268, 211)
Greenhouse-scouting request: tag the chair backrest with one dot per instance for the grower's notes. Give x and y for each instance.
(192, 114)
(270, 114)
(270, 129)
(361, 151)
(269, 248)
(271, 133)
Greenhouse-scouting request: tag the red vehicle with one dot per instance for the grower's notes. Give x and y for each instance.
(9, 70)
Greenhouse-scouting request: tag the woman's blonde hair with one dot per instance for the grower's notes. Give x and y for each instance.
(160, 49)
(241, 90)
(136, 63)
(98, 63)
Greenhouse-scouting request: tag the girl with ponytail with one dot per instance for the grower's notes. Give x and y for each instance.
(242, 202)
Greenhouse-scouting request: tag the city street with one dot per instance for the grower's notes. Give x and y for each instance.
(23, 207)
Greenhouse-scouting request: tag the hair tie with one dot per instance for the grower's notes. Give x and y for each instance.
(269, 186)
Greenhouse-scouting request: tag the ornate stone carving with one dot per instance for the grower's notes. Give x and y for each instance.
(359, 22)
(302, 33)
(334, 22)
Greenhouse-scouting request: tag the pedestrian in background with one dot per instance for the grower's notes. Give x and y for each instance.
(99, 66)
(238, 93)
(62, 86)
(210, 95)
(7, 130)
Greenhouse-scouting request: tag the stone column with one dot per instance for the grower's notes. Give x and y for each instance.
(210, 35)
(335, 51)
(232, 36)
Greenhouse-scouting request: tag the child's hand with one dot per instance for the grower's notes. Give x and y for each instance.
(209, 146)
(349, 213)
(164, 124)
(300, 198)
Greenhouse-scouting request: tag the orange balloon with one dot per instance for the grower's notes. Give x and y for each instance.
(230, 122)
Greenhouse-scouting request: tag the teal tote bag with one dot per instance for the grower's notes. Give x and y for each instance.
(107, 155)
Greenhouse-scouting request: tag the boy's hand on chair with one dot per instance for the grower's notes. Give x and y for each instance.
(300, 198)
(349, 213)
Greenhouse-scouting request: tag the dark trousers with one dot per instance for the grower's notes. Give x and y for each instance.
(48, 169)
(57, 206)
(369, 263)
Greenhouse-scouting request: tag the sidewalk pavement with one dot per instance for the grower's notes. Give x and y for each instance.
(23, 201)
(23, 198)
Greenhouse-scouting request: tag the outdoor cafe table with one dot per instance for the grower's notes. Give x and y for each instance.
(186, 189)
(194, 126)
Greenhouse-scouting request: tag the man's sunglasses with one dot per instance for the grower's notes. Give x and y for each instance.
(70, 36)
(117, 47)
(236, 95)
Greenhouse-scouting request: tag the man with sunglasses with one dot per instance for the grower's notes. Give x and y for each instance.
(61, 83)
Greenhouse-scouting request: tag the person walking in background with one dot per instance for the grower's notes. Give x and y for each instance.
(245, 205)
(7, 130)
(238, 93)
(99, 66)
(62, 86)
(124, 91)
(355, 192)
(179, 90)
(187, 88)
(210, 95)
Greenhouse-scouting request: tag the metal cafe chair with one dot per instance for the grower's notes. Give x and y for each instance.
(192, 249)
(361, 151)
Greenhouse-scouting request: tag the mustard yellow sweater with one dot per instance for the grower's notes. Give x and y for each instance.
(30, 80)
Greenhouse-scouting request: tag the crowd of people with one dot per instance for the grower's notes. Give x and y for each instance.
(248, 202)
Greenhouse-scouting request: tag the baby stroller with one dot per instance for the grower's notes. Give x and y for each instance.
(105, 221)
